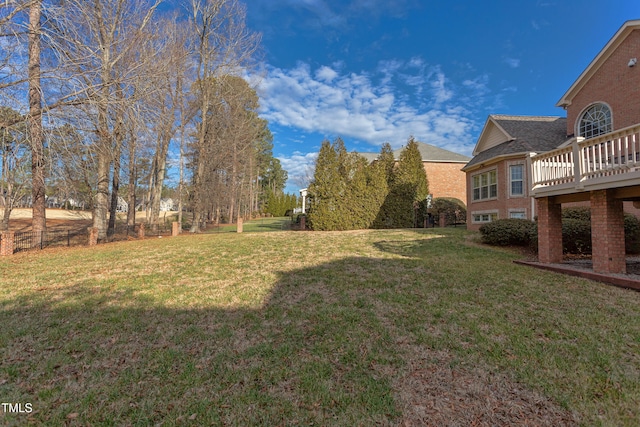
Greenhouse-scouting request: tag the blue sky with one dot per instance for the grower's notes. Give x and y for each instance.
(375, 71)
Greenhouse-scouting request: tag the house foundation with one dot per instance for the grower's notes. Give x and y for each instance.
(607, 229)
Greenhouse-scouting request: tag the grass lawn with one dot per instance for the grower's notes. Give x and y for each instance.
(254, 225)
(394, 327)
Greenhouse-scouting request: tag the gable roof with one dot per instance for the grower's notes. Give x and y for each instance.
(505, 135)
(370, 156)
(597, 62)
(431, 153)
(428, 152)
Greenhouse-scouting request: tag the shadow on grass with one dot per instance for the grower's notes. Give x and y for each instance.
(358, 341)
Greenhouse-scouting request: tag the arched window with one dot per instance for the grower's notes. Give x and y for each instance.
(596, 120)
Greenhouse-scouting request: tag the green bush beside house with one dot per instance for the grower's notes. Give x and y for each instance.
(576, 232)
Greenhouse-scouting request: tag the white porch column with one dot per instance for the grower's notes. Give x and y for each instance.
(303, 194)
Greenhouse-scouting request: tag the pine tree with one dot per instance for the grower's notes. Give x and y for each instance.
(387, 161)
(385, 166)
(376, 193)
(408, 186)
(326, 190)
(411, 171)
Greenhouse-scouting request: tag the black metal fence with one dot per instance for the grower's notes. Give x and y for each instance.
(27, 240)
(121, 232)
(164, 229)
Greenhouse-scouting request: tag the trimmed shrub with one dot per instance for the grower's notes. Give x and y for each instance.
(507, 232)
(576, 232)
(576, 236)
(631, 234)
(580, 213)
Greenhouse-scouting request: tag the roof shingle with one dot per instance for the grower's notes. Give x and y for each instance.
(429, 153)
(535, 134)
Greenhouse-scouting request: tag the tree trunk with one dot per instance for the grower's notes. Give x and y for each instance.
(115, 183)
(38, 222)
(233, 191)
(131, 212)
(158, 174)
(115, 186)
(102, 194)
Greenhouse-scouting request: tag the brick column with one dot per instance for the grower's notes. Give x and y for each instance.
(7, 243)
(303, 223)
(607, 233)
(93, 236)
(549, 231)
(175, 228)
(239, 225)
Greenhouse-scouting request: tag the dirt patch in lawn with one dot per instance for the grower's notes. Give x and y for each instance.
(435, 393)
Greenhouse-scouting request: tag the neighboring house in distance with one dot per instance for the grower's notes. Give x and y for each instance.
(498, 177)
(122, 205)
(167, 205)
(443, 169)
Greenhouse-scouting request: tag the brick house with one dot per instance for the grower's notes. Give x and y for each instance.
(598, 163)
(498, 175)
(443, 169)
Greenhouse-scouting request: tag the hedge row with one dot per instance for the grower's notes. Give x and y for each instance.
(576, 232)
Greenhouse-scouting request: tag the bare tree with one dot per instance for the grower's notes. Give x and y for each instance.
(223, 46)
(11, 27)
(13, 168)
(170, 106)
(96, 37)
(36, 133)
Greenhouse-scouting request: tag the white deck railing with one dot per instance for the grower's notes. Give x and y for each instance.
(586, 160)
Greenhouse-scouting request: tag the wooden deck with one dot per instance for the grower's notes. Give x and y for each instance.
(581, 165)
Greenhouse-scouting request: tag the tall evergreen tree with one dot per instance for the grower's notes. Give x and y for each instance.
(411, 171)
(326, 190)
(387, 161)
(408, 186)
(386, 164)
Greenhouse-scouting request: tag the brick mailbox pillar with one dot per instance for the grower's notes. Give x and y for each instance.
(7, 239)
(239, 226)
(93, 236)
(175, 228)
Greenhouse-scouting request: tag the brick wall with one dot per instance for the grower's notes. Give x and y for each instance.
(505, 203)
(607, 233)
(549, 231)
(616, 84)
(7, 239)
(446, 180)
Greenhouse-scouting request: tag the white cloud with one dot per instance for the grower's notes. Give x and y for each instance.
(386, 106)
(439, 85)
(512, 62)
(326, 74)
(300, 167)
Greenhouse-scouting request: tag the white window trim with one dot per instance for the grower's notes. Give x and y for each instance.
(524, 211)
(486, 212)
(524, 179)
(487, 172)
(583, 112)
